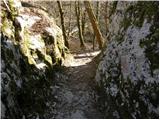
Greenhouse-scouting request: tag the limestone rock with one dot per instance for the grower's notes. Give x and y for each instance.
(127, 76)
(27, 61)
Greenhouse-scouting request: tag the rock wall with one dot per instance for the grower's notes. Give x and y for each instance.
(32, 47)
(127, 76)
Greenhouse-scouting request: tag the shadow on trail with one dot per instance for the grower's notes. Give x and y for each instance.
(76, 93)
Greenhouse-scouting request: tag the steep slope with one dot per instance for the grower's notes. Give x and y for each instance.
(127, 75)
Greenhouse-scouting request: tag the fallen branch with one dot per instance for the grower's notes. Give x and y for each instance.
(6, 6)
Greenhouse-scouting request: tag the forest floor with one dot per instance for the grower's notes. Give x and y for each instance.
(76, 94)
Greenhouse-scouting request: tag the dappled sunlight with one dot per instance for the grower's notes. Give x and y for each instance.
(79, 59)
(84, 58)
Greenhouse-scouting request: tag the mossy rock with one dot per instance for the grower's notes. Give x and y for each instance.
(8, 28)
(137, 13)
(127, 76)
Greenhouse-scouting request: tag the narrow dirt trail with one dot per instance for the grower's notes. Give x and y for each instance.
(76, 95)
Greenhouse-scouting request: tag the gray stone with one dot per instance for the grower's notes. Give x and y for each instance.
(125, 72)
(78, 115)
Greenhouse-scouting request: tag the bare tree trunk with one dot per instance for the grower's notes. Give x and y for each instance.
(69, 26)
(83, 22)
(79, 23)
(97, 10)
(62, 23)
(94, 23)
(97, 17)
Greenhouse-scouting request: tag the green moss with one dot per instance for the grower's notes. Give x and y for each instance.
(24, 47)
(61, 50)
(7, 28)
(31, 61)
(35, 82)
(14, 10)
(26, 52)
(48, 59)
(3, 14)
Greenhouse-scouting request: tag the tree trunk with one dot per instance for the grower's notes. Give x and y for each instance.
(94, 23)
(97, 17)
(70, 16)
(79, 23)
(62, 23)
(97, 10)
(83, 22)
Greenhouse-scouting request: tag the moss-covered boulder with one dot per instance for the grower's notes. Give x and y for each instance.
(127, 76)
(31, 46)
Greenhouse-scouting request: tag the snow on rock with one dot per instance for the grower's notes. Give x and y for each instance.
(127, 75)
(29, 20)
(27, 64)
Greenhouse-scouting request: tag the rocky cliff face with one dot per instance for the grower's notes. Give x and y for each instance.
(31, 48)
(127, 75)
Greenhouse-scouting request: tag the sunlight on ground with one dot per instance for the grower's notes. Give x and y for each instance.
(83, 59)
